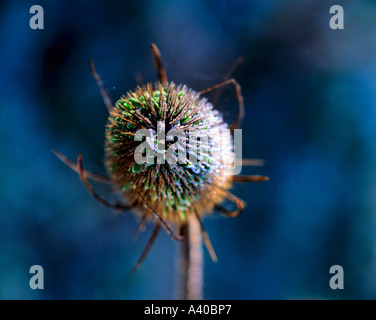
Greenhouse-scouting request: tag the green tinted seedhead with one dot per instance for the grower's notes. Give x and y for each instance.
(157, 124)
(192, 185)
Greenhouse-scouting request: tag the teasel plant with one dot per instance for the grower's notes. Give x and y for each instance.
(172, 195)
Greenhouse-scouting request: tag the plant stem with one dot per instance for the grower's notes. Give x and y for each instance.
(191, 266)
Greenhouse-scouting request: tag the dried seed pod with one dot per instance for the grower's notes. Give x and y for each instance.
(184, 177)
(180, 172)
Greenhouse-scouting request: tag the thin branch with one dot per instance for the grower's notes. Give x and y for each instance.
(216, 95)
(140, 227)
(252, 162)
(164, 224)
(73, 166)
(238, 91)
(147, 248)
(103, 90)
(231, 214)
(255, 178)
(158, 64)
(90, 189)
(207, 242)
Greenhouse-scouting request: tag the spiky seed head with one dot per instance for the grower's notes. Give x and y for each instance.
(200, 176)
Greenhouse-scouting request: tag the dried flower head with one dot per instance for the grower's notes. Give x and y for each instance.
(169, 154)
(174, 189)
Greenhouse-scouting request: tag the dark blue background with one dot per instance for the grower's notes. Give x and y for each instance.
(310, 97)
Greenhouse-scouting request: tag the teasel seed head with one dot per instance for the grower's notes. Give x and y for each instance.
(198, 181)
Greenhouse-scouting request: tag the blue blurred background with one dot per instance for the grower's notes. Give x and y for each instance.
(310, 97)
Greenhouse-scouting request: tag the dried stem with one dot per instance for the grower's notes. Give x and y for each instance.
(191, 266)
